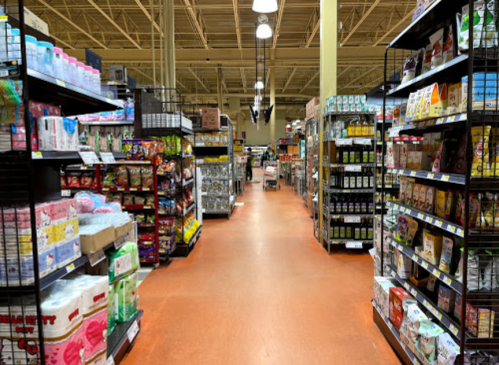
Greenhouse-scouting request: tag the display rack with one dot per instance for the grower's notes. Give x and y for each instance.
(348, 182)
(469, 228)
(312, 173)
(29, 177)
(159, 113)
(209, 152)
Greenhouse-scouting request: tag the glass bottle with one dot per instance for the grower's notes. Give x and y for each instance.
(365, 154)
(363, 230)
(336, 229)
(357, 232)
(351, 129)
(349, 232)
(358, 156)
(363, 205)
(342, 230)
(345, 205)
(365, 128)
(370, 230)
(358, 204)
(353, 180)
(358, 128)
(346, 180)
(351, 205)
(365, 178)
(352, 155)
(371, 178)
(359, 180)
(346, 155)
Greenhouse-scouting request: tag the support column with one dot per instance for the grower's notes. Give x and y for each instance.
(220, 90)
(239, 128)
(169, 44)
(329, 52)
(272, 98)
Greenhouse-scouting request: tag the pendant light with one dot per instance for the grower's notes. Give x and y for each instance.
(259, 85)
(265, 6)
(263, 31)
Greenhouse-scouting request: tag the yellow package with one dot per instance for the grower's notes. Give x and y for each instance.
(432, 245)
(480, 138)
(440, 203)
(66, 231)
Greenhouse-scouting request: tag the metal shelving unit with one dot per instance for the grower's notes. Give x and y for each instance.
(475, 239)
(214, 151)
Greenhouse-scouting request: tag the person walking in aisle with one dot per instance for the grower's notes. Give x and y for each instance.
(249, 166)
(269, 155)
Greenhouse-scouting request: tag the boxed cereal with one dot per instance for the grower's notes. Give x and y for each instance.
(446, 298)
(397, 296)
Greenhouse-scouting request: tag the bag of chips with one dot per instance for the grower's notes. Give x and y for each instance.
(128, 199)
(150, 199)
(122, 176)
(109, 177)
(147, 174)
(73, 180)
(135, 176)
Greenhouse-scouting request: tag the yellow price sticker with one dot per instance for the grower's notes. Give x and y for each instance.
(414, 292)
(454, 329)
(436, 273)
(37, 154)
(408, 211)
(425, 264)
(420, 216)
(60, 83)
(70, 267)
(460, 232)
(445, 178)
(431, 176)
(453, 118)
(427, 305)
(415, 258)
(413, 173)
(447, 280)
(429, 220)
(451, 229)
(439, 223)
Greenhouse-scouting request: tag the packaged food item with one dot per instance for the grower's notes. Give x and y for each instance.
(448, 350)
(427, 59)
(454, 98)
(459, 205)
(128, 199)
(135, 176)
(446, 257)
(429, 333)
(480, 321)
(147, 175)
(148, 148)
(122, 176)
(411, 231)
(415, 196)
(402, 228)
(437, 42)
(430, 200)
(397, 296)
(459, 164)
(139, 200)
(422, 197)
(432, 247)
(410, 67)
(480, 137)
(86, 180)
(446, 298)
(457, 306)
(437, 163)
(432, 281)
(450, 204)
(403, 187)
(464, 24)
(116, 197)
(474, 209)
(414, 317)
(150, 200)
(404, 265)
(140, 218)
(109, 177)
(449, 46)
(489, 35)
(440, 203)
(408, 193)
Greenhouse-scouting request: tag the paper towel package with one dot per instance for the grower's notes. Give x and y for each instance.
(12, 270)
(94, 292)
(126, 297)
(123, 261)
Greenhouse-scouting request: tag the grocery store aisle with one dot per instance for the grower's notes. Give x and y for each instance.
(259, 290)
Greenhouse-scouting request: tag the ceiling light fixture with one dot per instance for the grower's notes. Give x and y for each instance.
(265, 6)
(259, 85)
(263, 31)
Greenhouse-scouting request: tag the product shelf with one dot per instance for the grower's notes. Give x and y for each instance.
(428, 175)
(458, 65)
(138, 207)
(388, 186)
(396, 333)
(333, 165)
(443, 121)
(449, 280)
(114, 189)
(203, 145)
(347, 191)
(351, 243)
(443, 317)
(108, 123)
(425, 217)
(122, 338)
(354, 114)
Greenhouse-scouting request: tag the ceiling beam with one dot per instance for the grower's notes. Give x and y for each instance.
(243, 78)
(358, 78)
(110, 20)
(388, 32)
(359, 23)
(196, 20)
(293, 71)
(277, 29)
(148, 15)
(236, 19)
(310, 81)
(343, 72)
(199, 79)
(315, 19)
(81, 30)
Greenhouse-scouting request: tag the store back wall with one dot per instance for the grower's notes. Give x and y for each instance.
(255, 137)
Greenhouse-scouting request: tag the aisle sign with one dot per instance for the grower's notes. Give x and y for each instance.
(89, 158)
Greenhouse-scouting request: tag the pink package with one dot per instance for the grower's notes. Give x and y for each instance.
(106, 116)
(63, 210)
(94, 291)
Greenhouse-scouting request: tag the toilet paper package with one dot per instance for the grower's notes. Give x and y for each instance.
(15, 271)
(66, 231)
(126, 297)
(123, 261)
(94, 292)
(67, 252)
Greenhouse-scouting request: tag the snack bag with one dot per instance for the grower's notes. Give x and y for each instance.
(449, 46)
(437, 42)
(489, 35)
(122, 176)
(410, 67)
(427, 59)
(480, 137)
(402, 228)
(147, 175)
(446, 257)
(135, 176)
(429, 332)
(412, 230)
(414, 318)
(448, 350)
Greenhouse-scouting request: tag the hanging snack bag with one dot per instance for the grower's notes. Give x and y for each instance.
(429, 332)
(135, 176)
(437, 42)
(480, 137)
(489, 35)
(449, 46)
(448, 350)
(410, 67)
(446, 257)
(427, 59)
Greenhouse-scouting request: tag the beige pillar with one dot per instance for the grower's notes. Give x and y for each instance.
(239, 127)
(329, 52)
(272, 98)
(220, 90)
(169, 44)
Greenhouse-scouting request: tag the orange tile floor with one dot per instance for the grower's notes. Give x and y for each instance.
(259, 290)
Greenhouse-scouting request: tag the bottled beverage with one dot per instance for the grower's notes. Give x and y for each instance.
(357, 232)
(358, 129)
(346, 180)
(371, 128)
(349, 232)
(363, 230)
(342, 230)
(358, 156)
(351, 205)
(365, 128)
(336, 229)
(358, 204)
(352, 155)
(365, 155)
(352, 180)
(363, 205)
(351, 129)
(365, 179)
(339, 202)
(359, 180)
(371, 178)
(370, 205)
(332, 182)
(344, 205)
(371, 156)
(370, 230)
(345, 155)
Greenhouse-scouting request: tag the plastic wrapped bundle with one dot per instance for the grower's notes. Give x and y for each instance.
(111, 309)
(123, 261)
(127, 295)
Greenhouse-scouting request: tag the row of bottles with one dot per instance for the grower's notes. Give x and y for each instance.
(355, 155)
(357, 128)
(352, 231)
(351, 204)
(341, 179)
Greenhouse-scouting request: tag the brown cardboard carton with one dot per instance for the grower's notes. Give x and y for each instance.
(210, 118)
(122, 230)
(94, 242)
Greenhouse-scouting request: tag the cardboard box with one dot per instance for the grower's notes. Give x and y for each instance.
(397, 296)
(393, 155)
(94, 242)
(420, 160)
(311, 107)
(432, 247)
(446, 299)
(435, 101)
(210, 118)
(454, 96)
(480, 322)
(422, 197)
(403, 187)
(122, 230)
(430, 200)
(415, 196)
(408, 192)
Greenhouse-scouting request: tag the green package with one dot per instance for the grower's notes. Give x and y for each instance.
(111, 321)
(123, 261)
(126, 297)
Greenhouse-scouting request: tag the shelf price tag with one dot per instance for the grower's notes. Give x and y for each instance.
(352, 219)
(344, 142)
(354, 244)
(453, 329)
(408, 211)
(451, 229)
(429, 220)
(439, 223)
(460, 232)
(445, 178)
(60, 83)
(96, 257)
(402, 209)
(431, 176)
(420, 216)
(70, 267)
(89, 158)
(413, 173)
(436, 273)
(407, 286)
(132, 331)
(36, 155)
(427, 304)
(415, 257)
(453, 118)
(65, 192)
(447, 280)
(414, 292)
(353, 168)
(107, 157)
(425, 265)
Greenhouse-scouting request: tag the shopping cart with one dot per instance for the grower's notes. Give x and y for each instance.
(271, 175)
